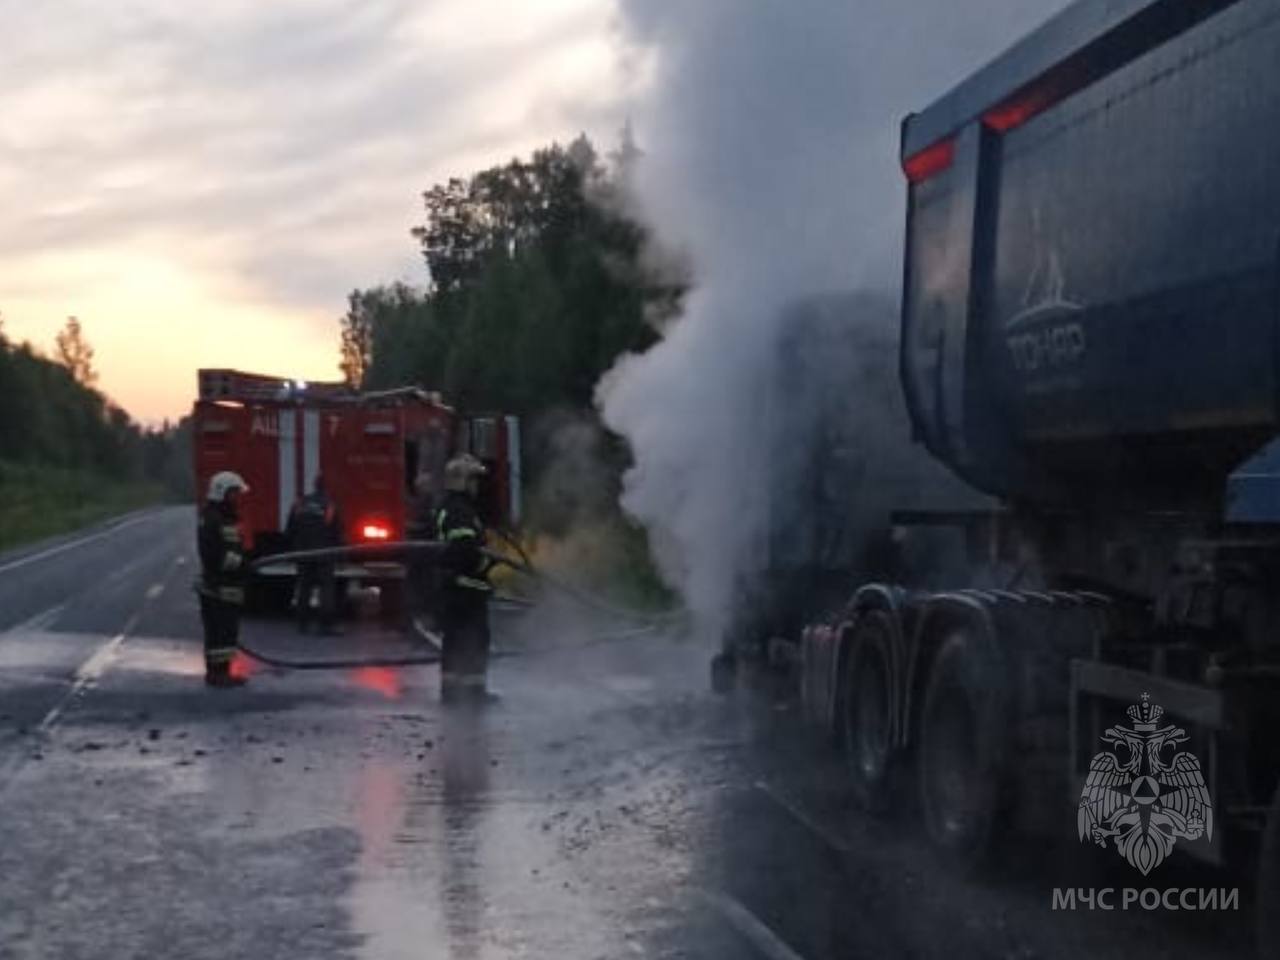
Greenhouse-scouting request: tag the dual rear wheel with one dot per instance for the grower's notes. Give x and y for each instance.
(959, 743)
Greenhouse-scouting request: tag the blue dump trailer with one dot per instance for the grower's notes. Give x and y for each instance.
(1090, 336)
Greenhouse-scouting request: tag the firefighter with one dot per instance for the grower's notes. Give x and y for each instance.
(313, 525)
(222, 563)
(464, 588)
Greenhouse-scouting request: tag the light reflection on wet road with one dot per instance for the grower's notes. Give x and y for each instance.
(606, 807)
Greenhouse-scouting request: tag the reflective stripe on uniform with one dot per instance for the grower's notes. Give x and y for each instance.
(220, 655)
(231, 594)
(232, 561)
(461, 533)
(472, 583)
(231, 534)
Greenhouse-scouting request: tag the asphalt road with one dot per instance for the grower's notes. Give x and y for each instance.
(607, 806)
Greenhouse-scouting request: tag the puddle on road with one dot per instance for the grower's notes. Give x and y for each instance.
(455, 864)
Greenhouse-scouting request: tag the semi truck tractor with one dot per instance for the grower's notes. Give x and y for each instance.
(1089, 338)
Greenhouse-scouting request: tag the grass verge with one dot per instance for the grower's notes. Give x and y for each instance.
(38, 501)
(609, 557)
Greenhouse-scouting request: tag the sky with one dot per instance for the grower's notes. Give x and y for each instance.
(202, 186)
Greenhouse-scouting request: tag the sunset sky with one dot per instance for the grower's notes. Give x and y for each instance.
(203, 186)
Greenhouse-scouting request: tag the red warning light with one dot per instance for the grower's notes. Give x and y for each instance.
(375, 531)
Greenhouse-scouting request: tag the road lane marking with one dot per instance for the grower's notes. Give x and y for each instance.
(38, 622)
(826, 835)
(86, 675)
(155, 590)
(89, 672)
(120, 575)
(64, 547)
(749, 925)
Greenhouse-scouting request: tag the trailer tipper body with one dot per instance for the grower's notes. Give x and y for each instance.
(1092, 257)
(1090, 334)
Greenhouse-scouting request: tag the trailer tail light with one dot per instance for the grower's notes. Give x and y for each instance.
(930, 161)
(375, 531)
(1018, 109)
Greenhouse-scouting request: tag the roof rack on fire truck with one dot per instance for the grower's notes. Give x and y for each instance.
(236, 386)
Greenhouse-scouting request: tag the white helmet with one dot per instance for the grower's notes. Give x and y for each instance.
(220, 484)
(459, 472)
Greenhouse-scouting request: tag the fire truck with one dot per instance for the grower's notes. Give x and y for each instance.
(377, 452)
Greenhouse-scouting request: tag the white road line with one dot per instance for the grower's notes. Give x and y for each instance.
(749, 925)
(89, 673)
(63, 548)
(38, 622)
(121, 574)
(86, 676)
(826, 835)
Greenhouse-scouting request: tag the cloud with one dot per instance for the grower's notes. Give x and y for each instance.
(274, 153)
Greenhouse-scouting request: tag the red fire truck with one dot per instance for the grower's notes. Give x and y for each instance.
(373, 449)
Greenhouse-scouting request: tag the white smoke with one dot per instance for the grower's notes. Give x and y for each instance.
(771, 132)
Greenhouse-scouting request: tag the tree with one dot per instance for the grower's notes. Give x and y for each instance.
(540, 278)
(357, 340)
(454, 238)
(75, 353)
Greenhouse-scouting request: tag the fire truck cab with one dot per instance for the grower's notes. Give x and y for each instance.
(377, 453)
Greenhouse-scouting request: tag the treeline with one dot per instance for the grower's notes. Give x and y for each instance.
(539, 280)
(52, 415)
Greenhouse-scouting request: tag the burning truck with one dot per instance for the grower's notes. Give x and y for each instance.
(1089, 340)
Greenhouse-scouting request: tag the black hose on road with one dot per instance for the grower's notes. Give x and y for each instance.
(408, 660)
(400, 548)
(397, 551)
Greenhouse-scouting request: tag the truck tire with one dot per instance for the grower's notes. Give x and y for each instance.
(1267, 907)
(866, 711)
(963, 749)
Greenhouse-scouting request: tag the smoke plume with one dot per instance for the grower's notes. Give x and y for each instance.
(770, 132)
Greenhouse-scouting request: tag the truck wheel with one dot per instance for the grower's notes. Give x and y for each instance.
(866, 714)
(962, 749)
(1267, 908)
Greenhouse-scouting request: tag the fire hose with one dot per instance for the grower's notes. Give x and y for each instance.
(430, 549)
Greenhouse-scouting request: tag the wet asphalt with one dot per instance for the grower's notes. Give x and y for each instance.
(607, 806)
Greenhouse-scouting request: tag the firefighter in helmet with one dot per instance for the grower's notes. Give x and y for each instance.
(223, 570)
(464, 590)
(313, 525)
